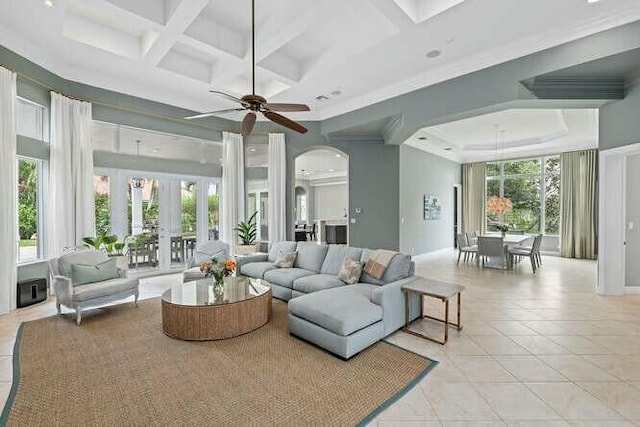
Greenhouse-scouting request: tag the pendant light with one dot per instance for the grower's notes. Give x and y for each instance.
(137, 183)
(498, 205)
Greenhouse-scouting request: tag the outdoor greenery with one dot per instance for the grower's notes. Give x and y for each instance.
(521, 181)
(27, 198)
(150, 208)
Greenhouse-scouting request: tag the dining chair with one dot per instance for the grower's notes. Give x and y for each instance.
(533, 252)
(491, 252)
(472, 238)
(465, 248)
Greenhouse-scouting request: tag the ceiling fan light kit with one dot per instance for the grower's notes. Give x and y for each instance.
(256, 103)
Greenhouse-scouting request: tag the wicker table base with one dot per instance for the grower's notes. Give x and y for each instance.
(215, 322)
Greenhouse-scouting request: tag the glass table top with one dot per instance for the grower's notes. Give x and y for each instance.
(201, 292)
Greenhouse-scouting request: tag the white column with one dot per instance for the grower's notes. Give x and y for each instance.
(202, 211)
(136, 210)
(118, 204)
(175, 195)
(164, 236)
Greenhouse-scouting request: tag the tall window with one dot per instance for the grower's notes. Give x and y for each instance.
(101, 191)
(213, 196)
(32, 120)
(533, 186)
(28, 174)
(188, 200)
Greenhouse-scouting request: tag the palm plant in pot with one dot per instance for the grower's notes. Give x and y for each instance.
(247, 231)
(109, 243)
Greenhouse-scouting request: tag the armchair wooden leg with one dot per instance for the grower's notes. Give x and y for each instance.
(78, 316)
(58, 308)
(135, 300)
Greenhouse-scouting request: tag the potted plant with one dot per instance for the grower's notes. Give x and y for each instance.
(109, 243)
(247, 231)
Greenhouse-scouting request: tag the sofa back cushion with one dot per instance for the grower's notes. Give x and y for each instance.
(400, 267)
(336, 254)
(86, 257)
(310, 256)
(279, 248)
(82, 274)
(212, 249)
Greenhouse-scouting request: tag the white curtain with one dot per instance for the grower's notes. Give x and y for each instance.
(277, 187)
(71, 173)
(8, 191)
(232, 187)
(474, 197)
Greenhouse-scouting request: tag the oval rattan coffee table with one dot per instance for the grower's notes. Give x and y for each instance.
(192, 311)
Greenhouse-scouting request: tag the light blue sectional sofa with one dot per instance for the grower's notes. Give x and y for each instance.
(343, 319)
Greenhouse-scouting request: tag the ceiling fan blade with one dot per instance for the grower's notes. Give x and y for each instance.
(283, 121)
(213, 113)
(229, 97)
(286, 107)
(247, 123)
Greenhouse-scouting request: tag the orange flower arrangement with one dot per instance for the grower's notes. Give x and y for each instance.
(499, 205)
(219, 269)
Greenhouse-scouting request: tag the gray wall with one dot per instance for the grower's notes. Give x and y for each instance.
(373, 185)
(632, 214)
(423, 173)
(620, 121)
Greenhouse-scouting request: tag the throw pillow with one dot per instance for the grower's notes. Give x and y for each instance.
(350, 271)
(81, 274)
(285, 260)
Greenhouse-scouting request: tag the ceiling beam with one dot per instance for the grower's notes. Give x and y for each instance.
(185, 13)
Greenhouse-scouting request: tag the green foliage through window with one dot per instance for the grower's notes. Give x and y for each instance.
(533, 186)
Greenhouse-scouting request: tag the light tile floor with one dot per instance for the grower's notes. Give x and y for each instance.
(541, 350)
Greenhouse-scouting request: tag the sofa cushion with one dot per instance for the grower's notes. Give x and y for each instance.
(280, 247)
(310, 256)
(256, 269)
(82, 274)
(399, 268)
(104, 289)
(87, 257)
(192, 273)
(315, 283)
(285, 276)
(336, 254)
(285, 260)
(350, 272)
(342, 311)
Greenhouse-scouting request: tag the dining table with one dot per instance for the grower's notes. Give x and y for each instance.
(509, 241)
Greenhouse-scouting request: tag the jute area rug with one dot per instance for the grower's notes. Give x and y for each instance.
(118, 368)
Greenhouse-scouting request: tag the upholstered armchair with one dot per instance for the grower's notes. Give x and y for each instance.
(204, 252)
(89, 278)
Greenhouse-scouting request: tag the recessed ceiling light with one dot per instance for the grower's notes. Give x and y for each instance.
(448, 148)
(422, 138)
(49, 3)
(433, 53)
(338, 155)
(253, 150)
(155, 150)
(593, 1)
(331, 170)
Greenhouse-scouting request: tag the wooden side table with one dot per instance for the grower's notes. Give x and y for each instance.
(435, 289)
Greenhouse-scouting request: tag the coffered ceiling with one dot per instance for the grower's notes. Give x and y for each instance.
(349, 53)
